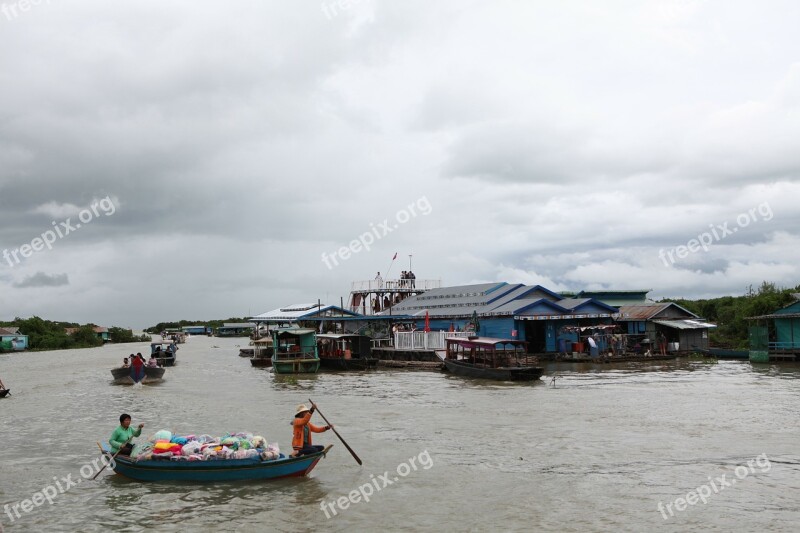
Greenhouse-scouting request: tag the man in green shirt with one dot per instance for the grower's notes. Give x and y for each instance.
(120, 439)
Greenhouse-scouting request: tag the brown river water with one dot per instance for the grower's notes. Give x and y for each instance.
(608, 448)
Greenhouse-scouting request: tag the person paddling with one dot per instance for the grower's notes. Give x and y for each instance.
(301, 438)
(120, 439)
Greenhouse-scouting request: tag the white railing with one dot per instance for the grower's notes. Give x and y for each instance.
(421, 340)
(396, 284)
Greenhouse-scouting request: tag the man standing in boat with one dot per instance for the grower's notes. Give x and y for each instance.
(301, 437)
(120, 439)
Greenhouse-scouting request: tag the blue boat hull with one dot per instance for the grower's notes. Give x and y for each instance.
(217, 470)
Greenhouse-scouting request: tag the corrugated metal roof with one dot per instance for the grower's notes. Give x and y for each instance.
(572, 303)
(296, 312)
(785, 315)
(647, 311)
(9, 331)
(685, 324)
(513, 307)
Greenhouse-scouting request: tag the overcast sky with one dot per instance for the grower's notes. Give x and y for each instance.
(225, 146)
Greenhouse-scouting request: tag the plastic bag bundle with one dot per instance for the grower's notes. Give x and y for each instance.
(141, 448)
(209, 453)
(191, 448)
(245, 454)
(230, 441)
(164, 447)
(163, 434)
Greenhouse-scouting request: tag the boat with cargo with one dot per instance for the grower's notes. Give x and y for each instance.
(221, 470)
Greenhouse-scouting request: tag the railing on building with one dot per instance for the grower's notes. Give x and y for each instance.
(425, 340)
(373, 285)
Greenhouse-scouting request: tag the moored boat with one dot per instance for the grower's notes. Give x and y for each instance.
(165, 352)
(294, 351)
(346, 352)
(723, 353)
(262, 353)
(219, 470)
(127, 375)
(488, 358)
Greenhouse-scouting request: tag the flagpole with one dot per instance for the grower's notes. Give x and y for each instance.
(390, 265)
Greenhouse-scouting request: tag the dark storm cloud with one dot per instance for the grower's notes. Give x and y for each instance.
(239, 142)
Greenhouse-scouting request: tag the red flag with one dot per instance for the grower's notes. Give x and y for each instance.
(395, 256)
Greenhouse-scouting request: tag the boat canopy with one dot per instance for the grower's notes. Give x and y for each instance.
(483, 342)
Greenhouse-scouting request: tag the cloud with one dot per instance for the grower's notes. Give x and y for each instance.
(40, 279)
(558, 144)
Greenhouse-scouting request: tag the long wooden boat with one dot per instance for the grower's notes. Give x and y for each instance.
(165, 352)
(294, 351)
(346, 352)
(488, 358)
(4, 392)
(722, 353)
(127, 376)
(217, 470)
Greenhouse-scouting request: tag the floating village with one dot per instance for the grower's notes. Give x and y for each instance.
(489, 331)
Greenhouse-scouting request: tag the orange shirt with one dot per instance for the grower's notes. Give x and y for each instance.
(299, 425)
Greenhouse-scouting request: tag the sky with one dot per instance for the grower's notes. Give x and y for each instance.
(203, 160)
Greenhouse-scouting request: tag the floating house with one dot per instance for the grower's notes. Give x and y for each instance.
(235, 329)
(11, 339)
(196, 330)
(776, 336)
(296, 314)
(100, 331)
(684, 330)
(508, 311)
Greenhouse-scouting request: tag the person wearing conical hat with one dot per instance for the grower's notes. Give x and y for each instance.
(302, 430)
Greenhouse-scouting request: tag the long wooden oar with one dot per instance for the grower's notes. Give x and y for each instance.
(112, 457)
(349, 449)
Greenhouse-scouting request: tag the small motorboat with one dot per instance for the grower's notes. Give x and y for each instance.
(127, 375)
(217, 470)
(165, 352)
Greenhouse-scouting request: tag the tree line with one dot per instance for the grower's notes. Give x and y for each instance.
(52, 335)
(729, 313)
